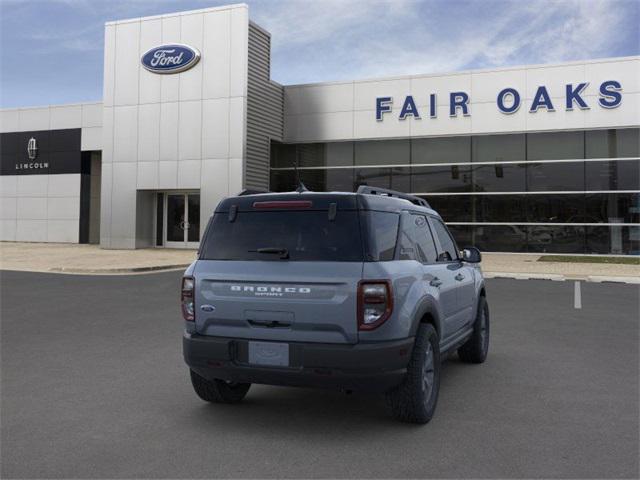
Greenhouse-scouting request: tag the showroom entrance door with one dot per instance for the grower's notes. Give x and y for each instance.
(182, 220)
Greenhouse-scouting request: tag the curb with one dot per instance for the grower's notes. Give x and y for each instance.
(154, 268)
(562, 278)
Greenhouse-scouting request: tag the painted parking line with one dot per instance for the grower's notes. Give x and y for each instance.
(577, 295)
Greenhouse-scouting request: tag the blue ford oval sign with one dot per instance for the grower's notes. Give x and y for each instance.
(171, 58)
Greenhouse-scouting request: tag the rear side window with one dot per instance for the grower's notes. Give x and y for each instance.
(304, 235)
(449, 251)
(382, 235)
(416, 241)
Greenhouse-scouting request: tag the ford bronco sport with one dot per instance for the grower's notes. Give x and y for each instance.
(354, 291)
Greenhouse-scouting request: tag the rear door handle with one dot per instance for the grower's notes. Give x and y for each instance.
(459, 277)
(436, 282)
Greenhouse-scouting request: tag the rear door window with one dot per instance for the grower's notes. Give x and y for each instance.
(448, 250)
(416, 241)
(303, 235)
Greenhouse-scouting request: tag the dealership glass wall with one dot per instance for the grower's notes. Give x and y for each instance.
(563, 192)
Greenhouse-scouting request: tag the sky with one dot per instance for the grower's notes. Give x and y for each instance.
(51, 51)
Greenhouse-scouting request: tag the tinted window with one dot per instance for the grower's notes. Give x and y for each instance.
(561, 176)
(452, 208)
(613, 175)
(448, 248)
(382, 152)
(445, 178)
(382, 235)
(555, 208)
(441, 150)
(613, 143)
(307, 236)
(394, 178)
(499, 148)
(555, 145)
(499, 178)
(425, 245)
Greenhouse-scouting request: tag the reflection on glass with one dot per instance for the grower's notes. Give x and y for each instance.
(441, 150)
(548, 177)
(500, 238)
(395, 178)
(499, 148)
(499, 178)
(555, 145)
(613, 207)
(447, 178)
(500, 208)
(452, 208)
(382, 152)
(556, 239)
(612, 143)
(175, 218)
(613, 240)
(555, 208)
(193, 233)
(613, 175)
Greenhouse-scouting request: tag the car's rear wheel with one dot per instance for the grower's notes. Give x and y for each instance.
(415, 399)
(476, 348)
(218, 391)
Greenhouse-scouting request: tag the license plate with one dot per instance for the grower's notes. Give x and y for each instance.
(269, 353)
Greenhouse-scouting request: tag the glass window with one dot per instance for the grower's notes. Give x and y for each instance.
(612, 143)
(613, 175)
(453, 208)
(555, 208)
(555, 145)
(556, 239)
(441, 150)
(424, 240)
(397, 178)
(382, 236)
(613, 208)
(282, 155)
(339, 154)
(543, 177)
(500, 208)
(499, 148)
(499, 178)
(613, 240)
(439, 179)
(382, 152)
(448, 250)
(500, 238)
(282, 181)
(462, 234)
(306, 236)
(339, 180)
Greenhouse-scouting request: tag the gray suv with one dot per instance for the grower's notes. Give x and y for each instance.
(354, 291)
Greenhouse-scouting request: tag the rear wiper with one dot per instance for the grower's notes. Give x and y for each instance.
(283, 252)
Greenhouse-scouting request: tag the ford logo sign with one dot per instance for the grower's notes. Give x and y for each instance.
(173, 58)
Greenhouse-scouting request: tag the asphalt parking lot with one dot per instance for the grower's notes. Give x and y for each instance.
(94, 386)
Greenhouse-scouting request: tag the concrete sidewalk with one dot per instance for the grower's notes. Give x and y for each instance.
(71, 258)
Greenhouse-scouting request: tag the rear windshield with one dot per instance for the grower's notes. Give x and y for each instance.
(284, 235)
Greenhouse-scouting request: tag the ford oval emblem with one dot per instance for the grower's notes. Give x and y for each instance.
(172, 58)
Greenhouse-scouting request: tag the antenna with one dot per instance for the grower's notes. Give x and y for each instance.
(301, 188)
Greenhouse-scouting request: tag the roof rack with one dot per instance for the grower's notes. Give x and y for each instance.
(392, 193)
(252, 192)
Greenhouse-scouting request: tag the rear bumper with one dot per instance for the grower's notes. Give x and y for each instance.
(364, 367)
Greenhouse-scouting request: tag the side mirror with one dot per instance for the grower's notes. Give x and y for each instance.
(471, 255)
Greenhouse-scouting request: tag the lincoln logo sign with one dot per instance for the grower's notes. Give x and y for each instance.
(508, 101)
(172, 58)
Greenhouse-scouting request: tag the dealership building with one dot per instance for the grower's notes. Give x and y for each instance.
(541, 158)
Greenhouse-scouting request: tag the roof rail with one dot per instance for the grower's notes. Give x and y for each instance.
(392, 193)
(252, 192)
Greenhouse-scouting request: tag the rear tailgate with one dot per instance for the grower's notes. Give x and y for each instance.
(278, 300)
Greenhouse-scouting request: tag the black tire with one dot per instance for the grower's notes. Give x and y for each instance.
(218, 391)
(414, 401)
(476, 348)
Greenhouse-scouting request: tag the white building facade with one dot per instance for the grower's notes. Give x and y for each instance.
(539, 158)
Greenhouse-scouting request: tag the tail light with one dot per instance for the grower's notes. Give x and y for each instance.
(375, 303)
(186, 299)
